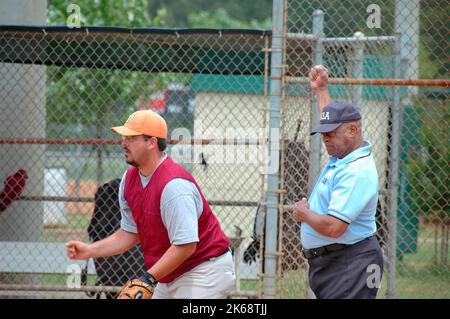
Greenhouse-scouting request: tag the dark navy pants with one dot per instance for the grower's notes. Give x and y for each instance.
(350, 273)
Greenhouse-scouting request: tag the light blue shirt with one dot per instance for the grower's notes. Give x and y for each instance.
(347, 189)
(181, 206)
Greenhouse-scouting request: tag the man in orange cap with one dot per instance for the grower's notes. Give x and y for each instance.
(185, 250)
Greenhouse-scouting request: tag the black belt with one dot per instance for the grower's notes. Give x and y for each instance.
(319, 251)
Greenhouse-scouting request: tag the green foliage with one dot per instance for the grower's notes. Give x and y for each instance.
(93, 97)
(220, 18)
(126, 13)
(87, 96)
(434, 39)
(342, 17)
(429, 165)
(179, 12)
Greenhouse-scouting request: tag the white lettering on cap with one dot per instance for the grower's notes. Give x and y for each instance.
(325, 116)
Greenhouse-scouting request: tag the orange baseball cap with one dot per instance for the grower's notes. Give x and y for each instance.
(143, 123)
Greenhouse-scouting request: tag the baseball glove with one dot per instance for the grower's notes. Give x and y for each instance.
(141, 288)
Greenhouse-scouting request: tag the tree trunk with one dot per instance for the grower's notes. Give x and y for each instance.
(436, 245)
(444, 246)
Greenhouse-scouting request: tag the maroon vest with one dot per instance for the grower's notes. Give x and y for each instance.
(145, 207)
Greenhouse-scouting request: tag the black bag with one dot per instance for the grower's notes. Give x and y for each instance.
(114, 270)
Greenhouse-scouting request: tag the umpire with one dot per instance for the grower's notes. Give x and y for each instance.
(338, 220)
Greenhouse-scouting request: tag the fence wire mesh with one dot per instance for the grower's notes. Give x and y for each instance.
(362, 40)
(62, 91)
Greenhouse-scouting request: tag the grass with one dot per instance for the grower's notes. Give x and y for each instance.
(413, 285)
(76, 229)
(294, 285)
(416, 278)
(61, 279)
(417, 275)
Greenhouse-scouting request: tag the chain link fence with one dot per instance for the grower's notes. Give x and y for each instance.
(61, 92)
(365, 46)
(62, 89)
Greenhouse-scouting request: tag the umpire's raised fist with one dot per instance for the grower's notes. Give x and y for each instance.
(318, 77)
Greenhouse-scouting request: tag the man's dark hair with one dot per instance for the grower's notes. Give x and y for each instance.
(162, 144)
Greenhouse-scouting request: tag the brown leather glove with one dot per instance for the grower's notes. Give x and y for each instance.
(141, 288)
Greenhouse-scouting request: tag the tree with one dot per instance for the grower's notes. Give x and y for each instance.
(179, 11)
(434, 44)
(221, 19)
(429, 173)
(125, 13)
(86, 96)
(90, 99)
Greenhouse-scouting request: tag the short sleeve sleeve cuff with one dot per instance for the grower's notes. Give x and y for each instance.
(339, 216)
(127, 227)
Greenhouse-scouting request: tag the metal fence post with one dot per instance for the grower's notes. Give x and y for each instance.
(318, 59)
(276, 71)
(407, 13)
(393, 176)
(358, 71)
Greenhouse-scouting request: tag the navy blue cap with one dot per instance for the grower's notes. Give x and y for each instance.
(334, 114)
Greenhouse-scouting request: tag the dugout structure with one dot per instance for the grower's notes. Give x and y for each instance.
(238, 81)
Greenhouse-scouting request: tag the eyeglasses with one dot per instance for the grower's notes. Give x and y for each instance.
(132, 138)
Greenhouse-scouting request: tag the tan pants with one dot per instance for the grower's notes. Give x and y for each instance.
(213, 279)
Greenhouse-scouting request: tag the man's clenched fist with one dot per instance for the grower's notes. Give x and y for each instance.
(318, 77)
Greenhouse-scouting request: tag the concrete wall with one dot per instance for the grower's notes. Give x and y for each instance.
(22, 114)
